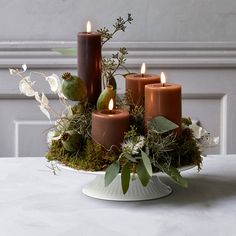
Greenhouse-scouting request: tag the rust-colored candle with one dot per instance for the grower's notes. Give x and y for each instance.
(89, 62)
(135, 84)
(109, 126)
(163, 99)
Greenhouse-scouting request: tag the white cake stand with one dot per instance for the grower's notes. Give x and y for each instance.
(136, 192)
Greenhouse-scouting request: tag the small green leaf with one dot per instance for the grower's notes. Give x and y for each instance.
(66, 51)
(161, 124)
(125, 177)
(111, 172)
(130, 158)
(147, 162)
(142, 173)
(174, 174)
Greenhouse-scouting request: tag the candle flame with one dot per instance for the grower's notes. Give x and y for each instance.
(111, 105)
(143, 69)
(88, 27)
(163, 78)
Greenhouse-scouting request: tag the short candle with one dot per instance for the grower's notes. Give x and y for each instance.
(109, 126)
(135, 84)
(163, 99)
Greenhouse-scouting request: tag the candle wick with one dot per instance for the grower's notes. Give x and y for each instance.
(163, 85)
(142, 75)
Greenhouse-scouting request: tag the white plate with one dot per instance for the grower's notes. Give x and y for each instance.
(62, 166)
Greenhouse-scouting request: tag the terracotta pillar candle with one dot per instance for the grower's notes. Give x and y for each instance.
(135, 84)
(109, 126)
(163, 100)
(89, 62)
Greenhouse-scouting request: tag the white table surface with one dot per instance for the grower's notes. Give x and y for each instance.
(35, 202)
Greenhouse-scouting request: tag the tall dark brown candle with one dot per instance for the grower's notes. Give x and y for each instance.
(89, 63)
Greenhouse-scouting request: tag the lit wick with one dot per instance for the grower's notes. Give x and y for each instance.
(88, 28)
(111, 105)
(143, 69)
(163, 79)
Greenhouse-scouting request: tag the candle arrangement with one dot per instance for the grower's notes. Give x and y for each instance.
(141, 133)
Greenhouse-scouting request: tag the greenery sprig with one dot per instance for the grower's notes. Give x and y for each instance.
(119, 25)
(117, 60)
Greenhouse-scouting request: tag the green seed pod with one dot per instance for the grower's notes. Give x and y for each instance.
(106, 95)
(112, 82)
(73, 87)
(71, 141)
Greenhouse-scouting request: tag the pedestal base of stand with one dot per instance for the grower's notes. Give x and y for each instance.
(154, 190)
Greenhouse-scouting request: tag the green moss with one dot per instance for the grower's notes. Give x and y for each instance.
(93, 157)
(188, 152)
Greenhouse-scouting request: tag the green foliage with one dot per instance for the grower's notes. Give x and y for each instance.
(143, 173)
(119, 25)
(160, 147)
(186, 121)
(111, 172)
(162, 125)
(137, 119)
(125, 177)
(147, 163)
(110, 65)
(66, 51)
(173, 173)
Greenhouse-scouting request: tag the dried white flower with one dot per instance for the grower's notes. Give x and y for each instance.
(44, 100)
(26, 87)
(203, 137)
(133, 147)
(54, 82)
(24, 67)
(45, 111)
(12, 71)
(50, 136)
(69, 111)
(37, 97)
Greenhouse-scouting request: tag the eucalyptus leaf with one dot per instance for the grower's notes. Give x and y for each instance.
(130, 158)
(174, 174)
(142, 173)
(66, 51)
(161, 124)
(147, 162)
(111, 172)
(125, 177)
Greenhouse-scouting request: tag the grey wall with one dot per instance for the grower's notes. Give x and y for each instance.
(155, 20)
(193, 41)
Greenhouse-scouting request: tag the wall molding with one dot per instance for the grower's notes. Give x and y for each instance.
(39, 54)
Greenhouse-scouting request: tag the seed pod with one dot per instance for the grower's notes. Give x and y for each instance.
(71, 141)
(73, 87)
(106, 95)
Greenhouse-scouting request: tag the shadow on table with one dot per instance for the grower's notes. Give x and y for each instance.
(203, 190)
